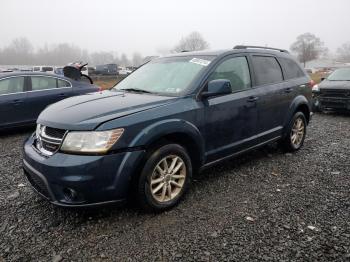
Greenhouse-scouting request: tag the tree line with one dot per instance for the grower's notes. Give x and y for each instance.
(307, 47)
(21, 52)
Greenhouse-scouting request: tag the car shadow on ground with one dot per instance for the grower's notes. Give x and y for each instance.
(129, 210)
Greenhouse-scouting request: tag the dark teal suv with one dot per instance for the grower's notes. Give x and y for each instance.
(168, 120)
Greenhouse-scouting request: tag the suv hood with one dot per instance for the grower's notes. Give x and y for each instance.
(326, 84)
(88, 111)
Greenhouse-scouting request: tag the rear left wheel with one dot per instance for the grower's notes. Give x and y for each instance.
(295, 134)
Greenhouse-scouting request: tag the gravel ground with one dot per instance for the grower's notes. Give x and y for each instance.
(265, 205)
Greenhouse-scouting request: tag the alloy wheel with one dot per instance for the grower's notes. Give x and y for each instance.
(298, 132)
(168, 178)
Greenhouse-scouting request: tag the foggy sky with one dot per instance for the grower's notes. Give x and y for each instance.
(152, 26)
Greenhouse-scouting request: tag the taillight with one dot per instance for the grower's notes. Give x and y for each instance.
(312, 83)
(100, 89)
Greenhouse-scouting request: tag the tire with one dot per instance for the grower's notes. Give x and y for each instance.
(290, 143)
(155, 180)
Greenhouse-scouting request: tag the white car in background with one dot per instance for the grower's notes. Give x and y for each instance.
(123, 71)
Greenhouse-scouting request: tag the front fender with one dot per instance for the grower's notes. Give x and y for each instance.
(157, 130)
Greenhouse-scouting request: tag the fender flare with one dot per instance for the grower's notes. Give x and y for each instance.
(297, 102)
(156, 131)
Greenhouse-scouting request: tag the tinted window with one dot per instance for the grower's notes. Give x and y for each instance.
(62, 83)
(12, 85)
(41, 82)
(46, 68)
(292, 70)
(236, 70)
(267, 70)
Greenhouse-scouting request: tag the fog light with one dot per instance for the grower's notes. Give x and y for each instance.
(70, 194)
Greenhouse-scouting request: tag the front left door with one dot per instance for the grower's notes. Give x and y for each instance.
(13, 101)
(230, 120)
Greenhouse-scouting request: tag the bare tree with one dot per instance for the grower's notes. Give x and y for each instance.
(124, 61)
(308, 47)
(194, 41)
(137, 59)
(99, 58)
(344, 52)
(20, 51)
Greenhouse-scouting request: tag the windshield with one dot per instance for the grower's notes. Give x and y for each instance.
(342, 74)
(167, 76)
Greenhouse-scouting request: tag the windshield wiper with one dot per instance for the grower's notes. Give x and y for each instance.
(136, 90)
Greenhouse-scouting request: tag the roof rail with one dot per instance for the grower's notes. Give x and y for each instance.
(259, 47)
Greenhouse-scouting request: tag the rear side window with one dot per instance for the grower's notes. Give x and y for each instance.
(236, 70)
(62, 83)
(12, 85)
(43, 83)
(267, 70)
(291, 69)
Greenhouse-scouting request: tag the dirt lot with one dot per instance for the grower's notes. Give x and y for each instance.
(266, 205)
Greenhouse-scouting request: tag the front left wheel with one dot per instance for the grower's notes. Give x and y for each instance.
(165, 178)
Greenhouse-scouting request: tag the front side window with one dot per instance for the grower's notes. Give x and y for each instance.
(236, 70)
(267, 70)
(167, 76)
(12, 85)
(43, 83)
(292, 70)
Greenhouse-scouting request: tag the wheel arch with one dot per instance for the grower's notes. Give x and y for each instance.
(173, 131)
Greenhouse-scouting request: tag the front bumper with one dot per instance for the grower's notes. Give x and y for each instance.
(336, 103)
(80, 180)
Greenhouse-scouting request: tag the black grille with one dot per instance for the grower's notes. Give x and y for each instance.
(38, 184)
(336, 93)
(50, 147)
(54, 132)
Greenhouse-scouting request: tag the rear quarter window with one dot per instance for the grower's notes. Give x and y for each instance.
(267, 70)
(291, 68)
(62, 83)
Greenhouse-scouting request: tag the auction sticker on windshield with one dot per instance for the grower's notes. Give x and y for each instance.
(199, 61)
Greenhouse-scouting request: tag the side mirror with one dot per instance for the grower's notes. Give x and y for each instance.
(218, 87)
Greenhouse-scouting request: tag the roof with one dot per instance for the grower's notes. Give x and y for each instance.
(229, 51)
(16, 73)
(20, 73)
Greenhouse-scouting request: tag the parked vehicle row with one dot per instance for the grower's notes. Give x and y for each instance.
(24, 95)
(168, 120)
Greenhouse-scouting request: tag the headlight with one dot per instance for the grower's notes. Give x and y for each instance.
(315, 88)
(91, 142)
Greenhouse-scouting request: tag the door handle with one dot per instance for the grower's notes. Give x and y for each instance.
(252, 99)
(288, 90)
(17, 102)
(62, 95)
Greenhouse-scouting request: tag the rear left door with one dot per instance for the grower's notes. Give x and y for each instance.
(45, 90)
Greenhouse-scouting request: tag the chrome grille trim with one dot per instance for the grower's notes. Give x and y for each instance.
(48, 145)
